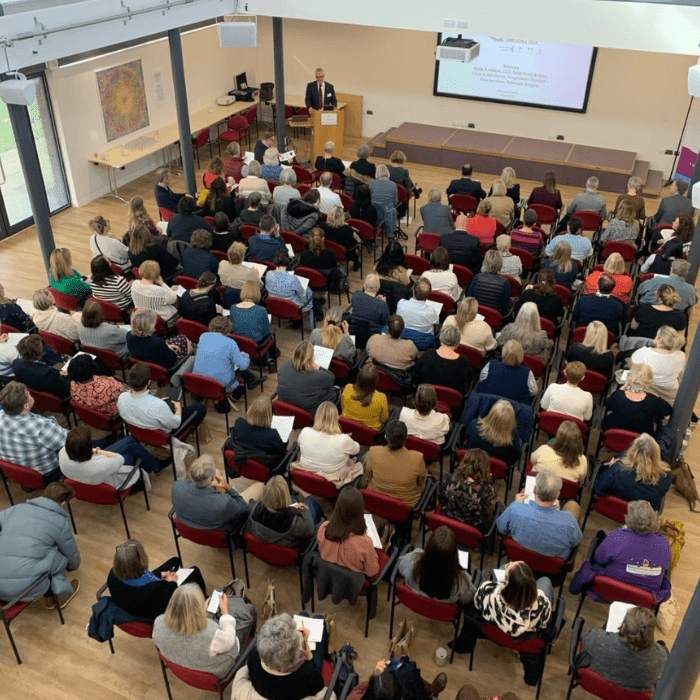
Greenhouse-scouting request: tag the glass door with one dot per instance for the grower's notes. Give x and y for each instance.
(15, 210)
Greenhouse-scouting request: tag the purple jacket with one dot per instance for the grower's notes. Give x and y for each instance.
(638, 559)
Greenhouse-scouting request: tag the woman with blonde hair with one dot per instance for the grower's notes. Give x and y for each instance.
(502, 206)
(441, 278)
(527, 330)
(143, 246)
(639, 474)
(253, 437)
(104, 242)
(138, 214)
(564, 456)
(593, 350)
(475, 333)
(249, 318)
(64, 278)
(508, 376)
(632, 407)
(512, 187)
(186, 636)
(48, 318)
(648, 318)
(510, 264)
(362, 402)
(467, 494)
(496, 433)
(335, 335)
(275, 519)
(325, 450)
(424, 421)
(303, 383)
(624, 227)
(615, 267)
(561, 264)
(666, 360)
(150, 292)
(233, 273)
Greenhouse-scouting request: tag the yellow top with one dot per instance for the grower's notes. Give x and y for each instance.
(374, 415)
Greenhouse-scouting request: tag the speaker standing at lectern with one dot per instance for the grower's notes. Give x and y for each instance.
(320, 94)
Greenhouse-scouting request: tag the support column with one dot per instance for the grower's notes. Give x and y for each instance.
(683, 664)
(29, 159)
(694, 254)
(278, 47)
(182, 109)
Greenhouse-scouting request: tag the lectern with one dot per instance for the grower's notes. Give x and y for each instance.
(327, 126)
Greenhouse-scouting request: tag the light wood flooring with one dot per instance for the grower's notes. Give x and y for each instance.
(63, 663)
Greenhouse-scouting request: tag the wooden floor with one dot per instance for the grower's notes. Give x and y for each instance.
(63, 663)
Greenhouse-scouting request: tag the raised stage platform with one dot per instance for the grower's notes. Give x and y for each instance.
(489, 153)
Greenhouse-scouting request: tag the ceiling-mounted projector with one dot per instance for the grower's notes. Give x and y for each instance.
(19, 91)
(457, 49)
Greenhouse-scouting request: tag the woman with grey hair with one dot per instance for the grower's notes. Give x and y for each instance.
(281, 665)
(445, 366)
(385, 197)
(362, 166)
(437, 217)
(287, 189)
(488, 287)
(254, 182)
(636, 554)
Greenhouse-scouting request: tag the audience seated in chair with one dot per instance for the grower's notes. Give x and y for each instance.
(482, 226)
(601, 306)
(233, 273)
(335, 335)
(548, 193)
(508, 376)
(647, 289)
(564, 456)
(362, 402)
(496, 433)
(286, 285)
(151, 292)
(197, 259)
(30, 370)
(441, 278)
(502, 206)
(392, 351)
(91, 389)
(488, 287)
(593, 351)
(370, 306)
(303, 383)
(565, 270)
(568, 398)
(199, 304)
(143, 247)
(64, 278)
(165, 197)
(49, 318)
(445, 366)
(96, 333)
(437, 217)
(465, 185)
(464, 248)
(526, 329)
(186, 222)
(424, 421)
(473, 332)
(104, 242)
(420, 319)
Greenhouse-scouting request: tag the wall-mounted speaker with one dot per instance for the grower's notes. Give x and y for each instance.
(242, 35)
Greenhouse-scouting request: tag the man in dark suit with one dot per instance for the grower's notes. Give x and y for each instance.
(165, 197)
(464, 249)
(600, 307)
(465, 185)
(675, 205)
(320, 94)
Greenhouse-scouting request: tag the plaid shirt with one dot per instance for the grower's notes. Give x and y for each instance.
(31, 440)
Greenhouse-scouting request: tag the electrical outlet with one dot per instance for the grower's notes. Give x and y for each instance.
(449, 24)
(462, 25)
(470, 126)
(560, 137)
(369, 111)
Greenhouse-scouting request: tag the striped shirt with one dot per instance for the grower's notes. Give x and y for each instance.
(31, 440)
(114, 289)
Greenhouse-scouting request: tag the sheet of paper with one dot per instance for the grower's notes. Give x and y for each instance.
(372, 531)
(530, 486)
(409, 272)
(304, 281)
(226, 312)
(347, 163)
(479, 317)
(463, 559)
(450, 268)
(26, 306)
(125, 326)
(616, 615)
(290, 250)
(352, 337)
(313, 624)
(77, 354)
(323, 356)
(269, 318)
(14, 338)
(500, 575)
(180, 290)
(284, 426)
(248, 157)
(624, 375)
(261, 269)
(182, 574)
(435, 304)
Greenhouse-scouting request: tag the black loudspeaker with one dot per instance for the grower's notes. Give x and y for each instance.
(267, 92)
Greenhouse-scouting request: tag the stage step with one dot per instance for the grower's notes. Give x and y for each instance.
(378, 143)
(641, 170)
(655, 181)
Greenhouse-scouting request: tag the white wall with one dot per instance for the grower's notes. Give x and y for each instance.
(209, 72)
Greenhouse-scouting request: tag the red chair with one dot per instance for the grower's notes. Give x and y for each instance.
(237, 128)
(405, 197)
(498, 468)
(65, 302)
(449, 400)
(61, 345)
(564, 293)
(303, 175)
(159, 374)
(159, 438)
(431, 452)
(109, 358)
(626, 250)
(422, 605)
(317, 280)
(186, 282)
(192, 330)
(578, 334)
(616, 440)
(546, 215)
(105, 494)
(248, 230)
(220, 255)
(417, 263)
(341, 256)
(304, 188)
(302, 418)
(590, 220)
(590, 680)
(22, 476)
(516, 286)
(250, 469)
(344, 198)
(284, 308)
(298, 243)
(427, 242)
(251, 116)
(536, 365)
(570, 490)
(218, 539)
(9, 610)
(52, 403)
(165, 215)
(393, 509)
(492, 316)
(97, 419)
(111, 312)
(207, 388)
(540, 643)
(549, 422)
(137, 273)
(476, 359)
(464, 275)
(366, 231)
(256, 352)
(593, 382)
(529, 260)
(313, 484)
(273, 554)
(448, 303)
(387, 385)
(464, 204)
(200, 140)
(359, 432)
(5, 328)
(137, 628)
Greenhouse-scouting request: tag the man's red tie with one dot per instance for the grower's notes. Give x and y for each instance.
(320, 96)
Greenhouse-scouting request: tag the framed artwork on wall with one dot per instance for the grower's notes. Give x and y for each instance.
(123, 99)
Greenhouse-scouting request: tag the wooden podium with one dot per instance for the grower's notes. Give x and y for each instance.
(327, 126)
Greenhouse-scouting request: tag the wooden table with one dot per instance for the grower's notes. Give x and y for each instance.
(119, 157)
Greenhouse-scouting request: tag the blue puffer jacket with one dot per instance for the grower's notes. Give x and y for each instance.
(36, 539)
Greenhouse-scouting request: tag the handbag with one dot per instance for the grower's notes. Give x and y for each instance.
(666, 615)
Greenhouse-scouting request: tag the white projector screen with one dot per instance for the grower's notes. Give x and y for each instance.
(517, 71)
